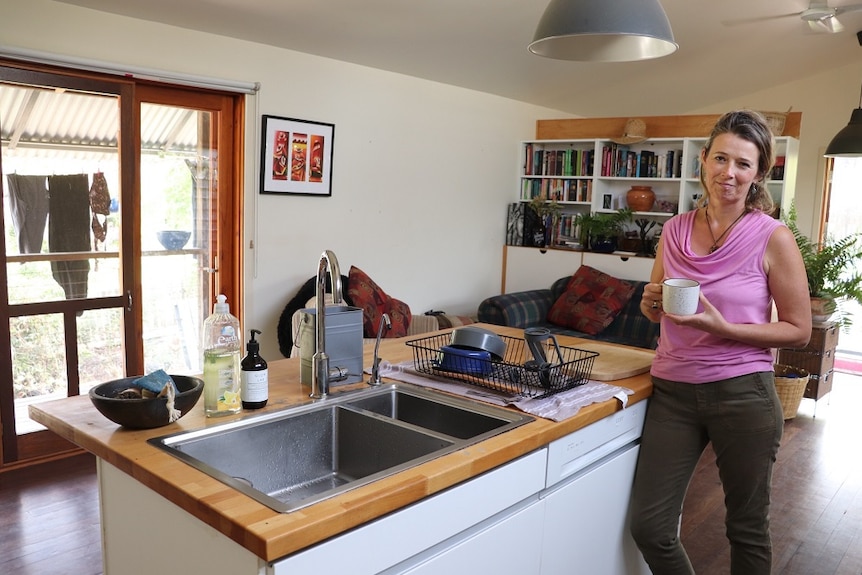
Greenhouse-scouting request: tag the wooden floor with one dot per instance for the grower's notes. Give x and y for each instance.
(49, 519)
(49, 515)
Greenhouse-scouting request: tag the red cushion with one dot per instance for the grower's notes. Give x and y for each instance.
(591, 301)
(374, 302)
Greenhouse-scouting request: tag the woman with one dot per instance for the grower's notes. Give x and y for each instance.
(712, 376)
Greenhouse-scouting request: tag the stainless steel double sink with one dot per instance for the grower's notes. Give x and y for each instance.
(295, 457)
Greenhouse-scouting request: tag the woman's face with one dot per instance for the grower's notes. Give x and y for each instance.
(730, 167)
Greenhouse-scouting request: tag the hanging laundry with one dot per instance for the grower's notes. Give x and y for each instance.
(100, 205)
(69, 231)
(28, 204)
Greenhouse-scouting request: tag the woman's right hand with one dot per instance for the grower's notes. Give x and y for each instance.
(651, 302)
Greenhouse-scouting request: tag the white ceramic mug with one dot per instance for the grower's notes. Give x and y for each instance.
(679, 296)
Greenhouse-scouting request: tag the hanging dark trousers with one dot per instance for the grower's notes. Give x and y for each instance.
(69, 231)
(28, 204)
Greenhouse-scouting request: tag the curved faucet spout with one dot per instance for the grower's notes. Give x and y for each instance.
(328, 263)
(375, 364)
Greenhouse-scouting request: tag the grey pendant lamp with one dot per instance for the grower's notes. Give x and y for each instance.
(603, 31)
(848, 142)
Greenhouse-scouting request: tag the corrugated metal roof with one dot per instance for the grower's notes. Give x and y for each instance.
(46, 122)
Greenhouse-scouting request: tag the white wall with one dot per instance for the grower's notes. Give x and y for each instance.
(422, 171)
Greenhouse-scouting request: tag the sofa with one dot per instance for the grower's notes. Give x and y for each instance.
(531, 308)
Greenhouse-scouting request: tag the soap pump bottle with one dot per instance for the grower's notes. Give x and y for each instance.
(221, 343)
(255, 376)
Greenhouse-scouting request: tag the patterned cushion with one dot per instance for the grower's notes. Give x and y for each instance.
(591, 301)
(374, 303)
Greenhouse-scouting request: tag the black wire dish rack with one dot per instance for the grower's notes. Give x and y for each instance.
(514, 374)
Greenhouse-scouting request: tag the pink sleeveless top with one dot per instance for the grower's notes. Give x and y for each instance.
(733, 280)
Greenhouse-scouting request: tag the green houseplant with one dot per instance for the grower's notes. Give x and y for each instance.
(831, 267)
(600, 231)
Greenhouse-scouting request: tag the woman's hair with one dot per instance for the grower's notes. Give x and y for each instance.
(752, 127)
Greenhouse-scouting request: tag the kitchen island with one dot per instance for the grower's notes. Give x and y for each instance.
(156, 510)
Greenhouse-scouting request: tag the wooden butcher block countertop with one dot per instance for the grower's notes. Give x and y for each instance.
(272, 535)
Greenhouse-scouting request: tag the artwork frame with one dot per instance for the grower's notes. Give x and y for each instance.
(296, 156)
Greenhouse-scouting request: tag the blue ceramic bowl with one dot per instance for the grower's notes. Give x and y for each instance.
(459, 360)
(173, 239)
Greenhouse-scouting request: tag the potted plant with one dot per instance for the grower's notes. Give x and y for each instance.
(646, 246)
(548, 212)
(831, 267)
(600, 231)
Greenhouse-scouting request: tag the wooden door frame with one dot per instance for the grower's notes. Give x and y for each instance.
(228, 251)
(227, 257)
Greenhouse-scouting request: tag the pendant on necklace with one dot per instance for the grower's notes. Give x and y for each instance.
(724, 233)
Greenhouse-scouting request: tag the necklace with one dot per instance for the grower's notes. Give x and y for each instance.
(715, 240)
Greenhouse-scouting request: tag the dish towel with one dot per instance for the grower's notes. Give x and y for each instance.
(557, 407)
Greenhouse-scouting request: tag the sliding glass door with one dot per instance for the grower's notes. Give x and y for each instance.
(114, 199)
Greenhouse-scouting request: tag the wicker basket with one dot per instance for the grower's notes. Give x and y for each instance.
(776, 121)
(790, 389)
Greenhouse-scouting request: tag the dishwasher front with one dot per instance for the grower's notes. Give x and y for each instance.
(589, 481)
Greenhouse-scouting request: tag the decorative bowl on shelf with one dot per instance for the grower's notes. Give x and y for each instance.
(173, 239)
(144, 413)
(640, 198)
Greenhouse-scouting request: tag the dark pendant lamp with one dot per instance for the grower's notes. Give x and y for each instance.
(603, 31)
(848, 142)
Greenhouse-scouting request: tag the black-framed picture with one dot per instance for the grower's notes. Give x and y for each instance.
(296, 157)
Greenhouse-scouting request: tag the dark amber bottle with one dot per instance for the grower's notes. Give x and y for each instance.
(255, 376)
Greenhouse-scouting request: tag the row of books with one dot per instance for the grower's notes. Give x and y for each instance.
(621, 162)
(525, 228)
(567, 227)
(570, 162)
(558, 189)
(778, 168)
(617, 161)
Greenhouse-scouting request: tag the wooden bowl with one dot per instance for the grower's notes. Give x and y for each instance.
(144, 413)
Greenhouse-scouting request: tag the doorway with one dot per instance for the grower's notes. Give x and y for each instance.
(96, 170)
(843, 218)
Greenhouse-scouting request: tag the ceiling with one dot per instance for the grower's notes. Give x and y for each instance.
(727, 49)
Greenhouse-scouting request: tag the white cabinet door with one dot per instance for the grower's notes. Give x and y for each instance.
(395, 538)
(586, 522)
(511, 546)
(626, 268)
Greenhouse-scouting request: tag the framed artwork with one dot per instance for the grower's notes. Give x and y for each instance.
(296, 157)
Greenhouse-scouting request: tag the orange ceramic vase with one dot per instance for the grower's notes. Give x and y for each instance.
(640, 198)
